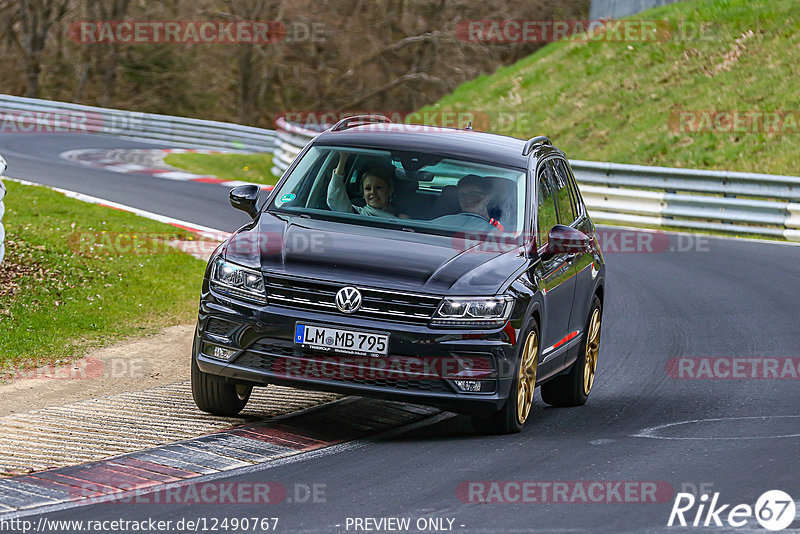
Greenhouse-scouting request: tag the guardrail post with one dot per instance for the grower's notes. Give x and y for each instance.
(2, 212)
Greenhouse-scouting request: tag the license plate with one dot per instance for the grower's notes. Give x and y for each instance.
(339, 340)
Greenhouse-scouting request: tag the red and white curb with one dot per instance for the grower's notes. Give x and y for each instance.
(148, 162)
(199, 249)
(210, 457)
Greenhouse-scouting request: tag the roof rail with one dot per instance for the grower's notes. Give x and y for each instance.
(538, 140)
(359, 120)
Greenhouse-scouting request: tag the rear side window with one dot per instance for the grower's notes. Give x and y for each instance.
(565, 197)
(546, 207)
(580, 209)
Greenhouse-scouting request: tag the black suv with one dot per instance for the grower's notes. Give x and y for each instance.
(429, 265)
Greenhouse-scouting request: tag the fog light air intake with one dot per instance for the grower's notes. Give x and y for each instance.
(219, 353)
(475, 386)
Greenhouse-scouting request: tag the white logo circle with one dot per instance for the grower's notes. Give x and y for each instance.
(775, 510)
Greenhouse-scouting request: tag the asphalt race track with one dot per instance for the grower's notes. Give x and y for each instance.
(713, 298)
(35, 157)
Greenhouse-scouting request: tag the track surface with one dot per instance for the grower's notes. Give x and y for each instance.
(35, 157)
(735, 299)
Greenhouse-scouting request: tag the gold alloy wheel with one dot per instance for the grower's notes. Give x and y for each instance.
(592, 349)
(527, 376)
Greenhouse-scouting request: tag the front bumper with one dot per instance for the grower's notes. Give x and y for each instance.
(431, 359)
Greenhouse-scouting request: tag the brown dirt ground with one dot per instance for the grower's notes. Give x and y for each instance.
(131, 365)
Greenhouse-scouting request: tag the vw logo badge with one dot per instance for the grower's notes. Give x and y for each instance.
(348, 300)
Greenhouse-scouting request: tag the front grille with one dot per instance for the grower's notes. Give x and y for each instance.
(277, 347)
(272, 355)
(376, 303)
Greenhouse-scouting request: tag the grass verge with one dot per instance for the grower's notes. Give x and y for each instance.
(621, 101)
(256, 168)
(74, 277)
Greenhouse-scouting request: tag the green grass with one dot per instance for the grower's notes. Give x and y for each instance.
(615, 101)
(256, 168)
(59, 295)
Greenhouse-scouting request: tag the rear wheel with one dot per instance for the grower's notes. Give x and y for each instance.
(214, 395)
(512, 416)
(573, 388)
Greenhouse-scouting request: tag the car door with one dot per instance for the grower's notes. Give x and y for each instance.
(555, 271)
(572, 209)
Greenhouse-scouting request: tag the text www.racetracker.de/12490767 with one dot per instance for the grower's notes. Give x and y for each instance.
(184, 524)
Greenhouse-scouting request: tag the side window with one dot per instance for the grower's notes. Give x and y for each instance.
(573, 187)
(546, 207)
(564, 196)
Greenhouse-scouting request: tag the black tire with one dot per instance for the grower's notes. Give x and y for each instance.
(570, 389)
(212, 394)
(507, 419)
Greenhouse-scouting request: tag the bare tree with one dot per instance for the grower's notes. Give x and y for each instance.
(34, 18)
(392, 55)
(251, 60)
(108, 56)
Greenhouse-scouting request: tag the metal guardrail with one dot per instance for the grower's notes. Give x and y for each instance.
(290, 140)
(3, 168)
(42, 116)
(614, 9)
(730, 202)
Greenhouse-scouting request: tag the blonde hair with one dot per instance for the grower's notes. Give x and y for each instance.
(380, 172)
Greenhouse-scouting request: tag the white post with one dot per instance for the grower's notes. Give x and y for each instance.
(3, 167)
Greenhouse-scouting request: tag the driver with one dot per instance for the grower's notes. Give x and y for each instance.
(474, 196)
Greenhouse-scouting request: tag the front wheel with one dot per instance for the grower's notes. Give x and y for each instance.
(214, 395)
(573, 388)
(512, 416)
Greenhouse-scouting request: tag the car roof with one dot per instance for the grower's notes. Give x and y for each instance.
(466, 144)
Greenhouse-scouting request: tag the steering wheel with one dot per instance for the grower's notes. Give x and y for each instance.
(489, 226)
(481, 217)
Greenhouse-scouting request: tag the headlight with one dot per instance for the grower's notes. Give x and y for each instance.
(473, 311)
(238, 281)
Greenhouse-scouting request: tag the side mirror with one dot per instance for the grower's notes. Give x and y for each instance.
(566, 240)
(244, 197)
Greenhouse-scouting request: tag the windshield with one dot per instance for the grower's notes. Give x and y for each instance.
(410, 190)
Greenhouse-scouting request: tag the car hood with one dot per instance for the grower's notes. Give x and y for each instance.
(368, 256)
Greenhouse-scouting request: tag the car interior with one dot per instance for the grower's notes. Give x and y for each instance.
(424, 195)
(425, 187)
